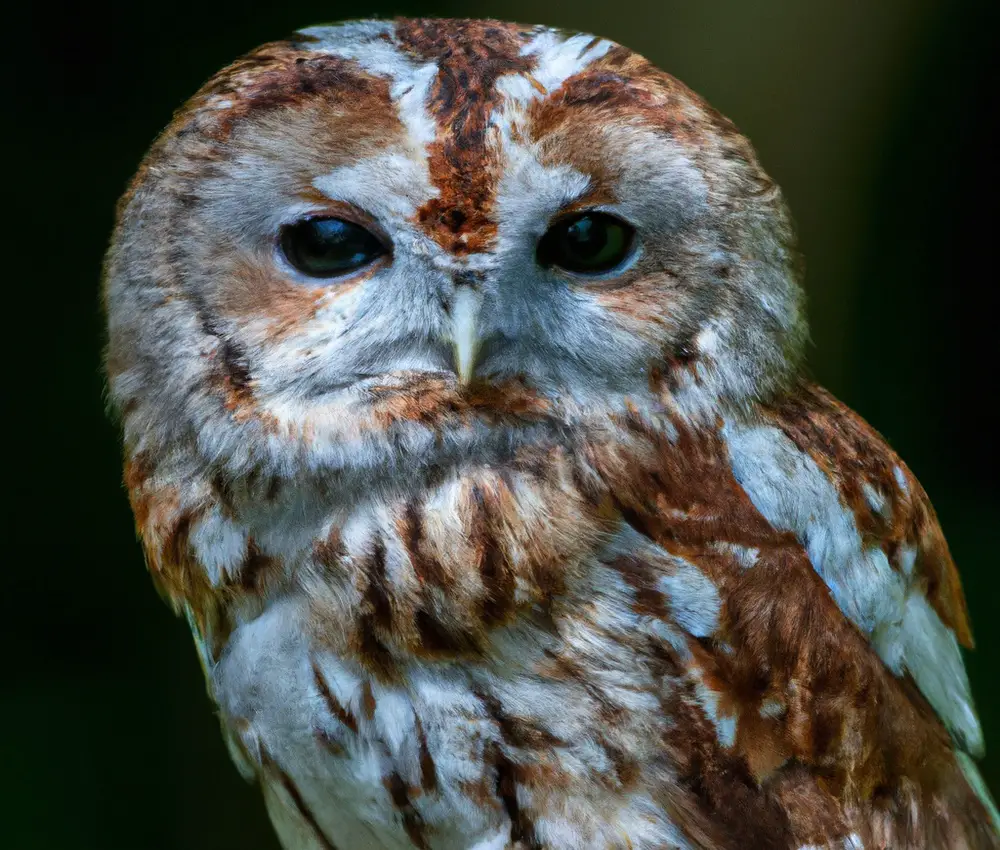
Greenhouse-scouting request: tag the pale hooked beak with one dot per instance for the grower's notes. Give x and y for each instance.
(464, 333)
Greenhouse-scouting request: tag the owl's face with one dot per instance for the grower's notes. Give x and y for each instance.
(382, 226)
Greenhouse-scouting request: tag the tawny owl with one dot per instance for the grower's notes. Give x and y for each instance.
(459, 366)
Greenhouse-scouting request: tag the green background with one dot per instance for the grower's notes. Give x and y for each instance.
(871, 115)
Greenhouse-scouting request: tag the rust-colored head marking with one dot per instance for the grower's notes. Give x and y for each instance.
(471, 56)
(281, 74)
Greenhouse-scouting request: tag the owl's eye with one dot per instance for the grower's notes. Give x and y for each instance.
(588, 243)
(328, 247)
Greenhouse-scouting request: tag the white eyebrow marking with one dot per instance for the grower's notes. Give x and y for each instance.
(389, 185)
(558, 59)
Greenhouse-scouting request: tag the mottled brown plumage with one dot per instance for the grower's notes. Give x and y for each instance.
(483, 547)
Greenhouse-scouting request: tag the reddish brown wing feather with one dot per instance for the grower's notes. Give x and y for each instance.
(853, 454)
(848, 748)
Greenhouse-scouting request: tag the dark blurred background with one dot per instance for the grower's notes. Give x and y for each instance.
(872, 116)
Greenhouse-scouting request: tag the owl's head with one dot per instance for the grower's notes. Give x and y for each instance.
(401, 233)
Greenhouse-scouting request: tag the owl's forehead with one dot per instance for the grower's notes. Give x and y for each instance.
(464, 96)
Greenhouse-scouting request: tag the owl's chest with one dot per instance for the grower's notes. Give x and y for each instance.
(433, 760)
(346, 761)
(440, 664)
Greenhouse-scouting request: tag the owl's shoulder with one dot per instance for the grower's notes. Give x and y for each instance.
(814, 469)
(890, 507)
(831, 671)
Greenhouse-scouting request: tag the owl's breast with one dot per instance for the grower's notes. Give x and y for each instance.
(603, 646)
(470, 665)
(348, 761)
(552, 734)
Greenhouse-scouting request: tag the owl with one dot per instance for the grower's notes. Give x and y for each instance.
(459, 367)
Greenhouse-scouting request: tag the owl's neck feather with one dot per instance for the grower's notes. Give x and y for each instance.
(217, 508)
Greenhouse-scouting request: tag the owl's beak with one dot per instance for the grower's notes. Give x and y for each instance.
(464, 334)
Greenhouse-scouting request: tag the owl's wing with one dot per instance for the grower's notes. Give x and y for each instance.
(831, 671)
(818, 470)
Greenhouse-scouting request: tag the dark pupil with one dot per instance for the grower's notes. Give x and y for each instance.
(325, 247)
(592, 242)
(587, 238)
